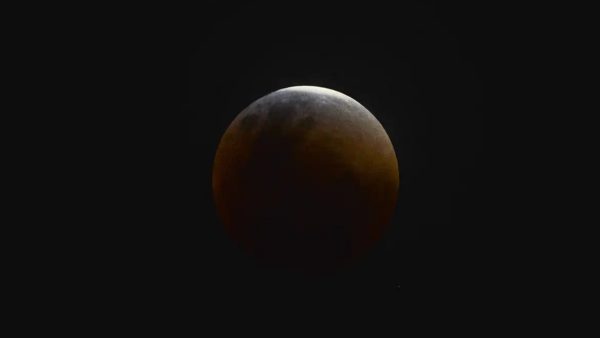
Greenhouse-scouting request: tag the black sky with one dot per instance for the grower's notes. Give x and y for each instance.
(416, 66)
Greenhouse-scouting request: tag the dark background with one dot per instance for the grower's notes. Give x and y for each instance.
(417, 66)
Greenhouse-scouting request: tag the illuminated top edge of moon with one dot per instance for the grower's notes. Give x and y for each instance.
(316, 90)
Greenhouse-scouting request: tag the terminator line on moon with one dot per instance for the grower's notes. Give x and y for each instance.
(305, 177)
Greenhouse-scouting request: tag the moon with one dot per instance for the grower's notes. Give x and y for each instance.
(305, 177)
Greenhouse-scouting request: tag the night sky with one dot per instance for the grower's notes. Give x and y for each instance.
(417, 67)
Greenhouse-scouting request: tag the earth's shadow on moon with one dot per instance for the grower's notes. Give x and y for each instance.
(289, 217)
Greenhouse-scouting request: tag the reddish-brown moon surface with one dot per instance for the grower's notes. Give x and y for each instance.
(305, 177)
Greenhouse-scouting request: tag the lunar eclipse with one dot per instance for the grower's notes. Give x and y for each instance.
(305, 177)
